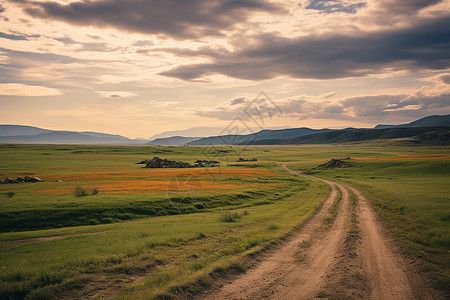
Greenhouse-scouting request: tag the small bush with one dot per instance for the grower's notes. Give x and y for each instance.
(232, 217)
(10, 194)
(229, 217)
(80, 191)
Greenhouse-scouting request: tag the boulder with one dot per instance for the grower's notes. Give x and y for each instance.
(243, 159)
(9, 180)
(35, 179)
(337, 163)
(157, 162)
(21, 180)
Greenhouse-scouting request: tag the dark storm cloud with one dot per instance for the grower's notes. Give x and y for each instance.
(406, 6)
(328, 6)
(423, 46)
(176, 18)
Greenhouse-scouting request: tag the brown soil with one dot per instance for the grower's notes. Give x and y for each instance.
(353, 259)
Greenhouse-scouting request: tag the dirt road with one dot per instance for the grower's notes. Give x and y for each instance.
(349, 259)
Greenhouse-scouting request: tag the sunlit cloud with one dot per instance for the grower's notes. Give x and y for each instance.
(115, 94)
(144, 66)
(154, 103)
(432, 99)
(17, 89)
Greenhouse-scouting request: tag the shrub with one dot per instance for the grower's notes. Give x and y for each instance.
(229, 217)
(80, 191)
(10, 194)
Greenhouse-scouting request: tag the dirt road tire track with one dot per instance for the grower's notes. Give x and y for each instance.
(332, 267)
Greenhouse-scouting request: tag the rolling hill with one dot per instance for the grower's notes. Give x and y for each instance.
(439, 135)
(430, 121)
(258, 136)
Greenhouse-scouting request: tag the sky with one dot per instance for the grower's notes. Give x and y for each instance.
(141, 67)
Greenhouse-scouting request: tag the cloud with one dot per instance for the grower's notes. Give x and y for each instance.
(154, 103)
(18, 89)
(418, 102)
(445, 78)
(12, 36)
(423, 46)
(115, 94)
(178, 19)
(328, 7)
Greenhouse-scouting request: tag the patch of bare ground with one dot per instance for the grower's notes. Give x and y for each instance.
(347, 279)
(352, 259)
(292, 272)
(390, 274)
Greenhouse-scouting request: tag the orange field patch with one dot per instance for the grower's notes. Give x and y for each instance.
(150, 186)
(162, 173)
(409, 157)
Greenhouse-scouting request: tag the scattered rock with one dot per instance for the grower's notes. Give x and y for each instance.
(337, 163)
(157, 162)
(35, 179)
(59, 180)
(21, 180)
(9, 180)
(243, 159)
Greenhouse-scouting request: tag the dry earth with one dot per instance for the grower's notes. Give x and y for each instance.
(351, 259)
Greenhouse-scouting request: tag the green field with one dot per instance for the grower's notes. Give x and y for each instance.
(155, 232)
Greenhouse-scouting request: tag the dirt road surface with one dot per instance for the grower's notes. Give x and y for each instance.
(349, 259)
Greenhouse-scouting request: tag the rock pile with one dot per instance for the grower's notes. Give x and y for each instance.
(337, 163)
(20, 180)
(157, 162)
(206, 163)
(243, 159)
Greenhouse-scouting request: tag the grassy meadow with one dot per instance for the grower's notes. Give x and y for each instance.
(160, 232)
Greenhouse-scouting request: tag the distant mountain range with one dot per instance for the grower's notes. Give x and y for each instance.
(258, 136)
(431, 129)
(35, 135)
(430, 135)
(429, 121)
(328, 136)
(173, 141)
